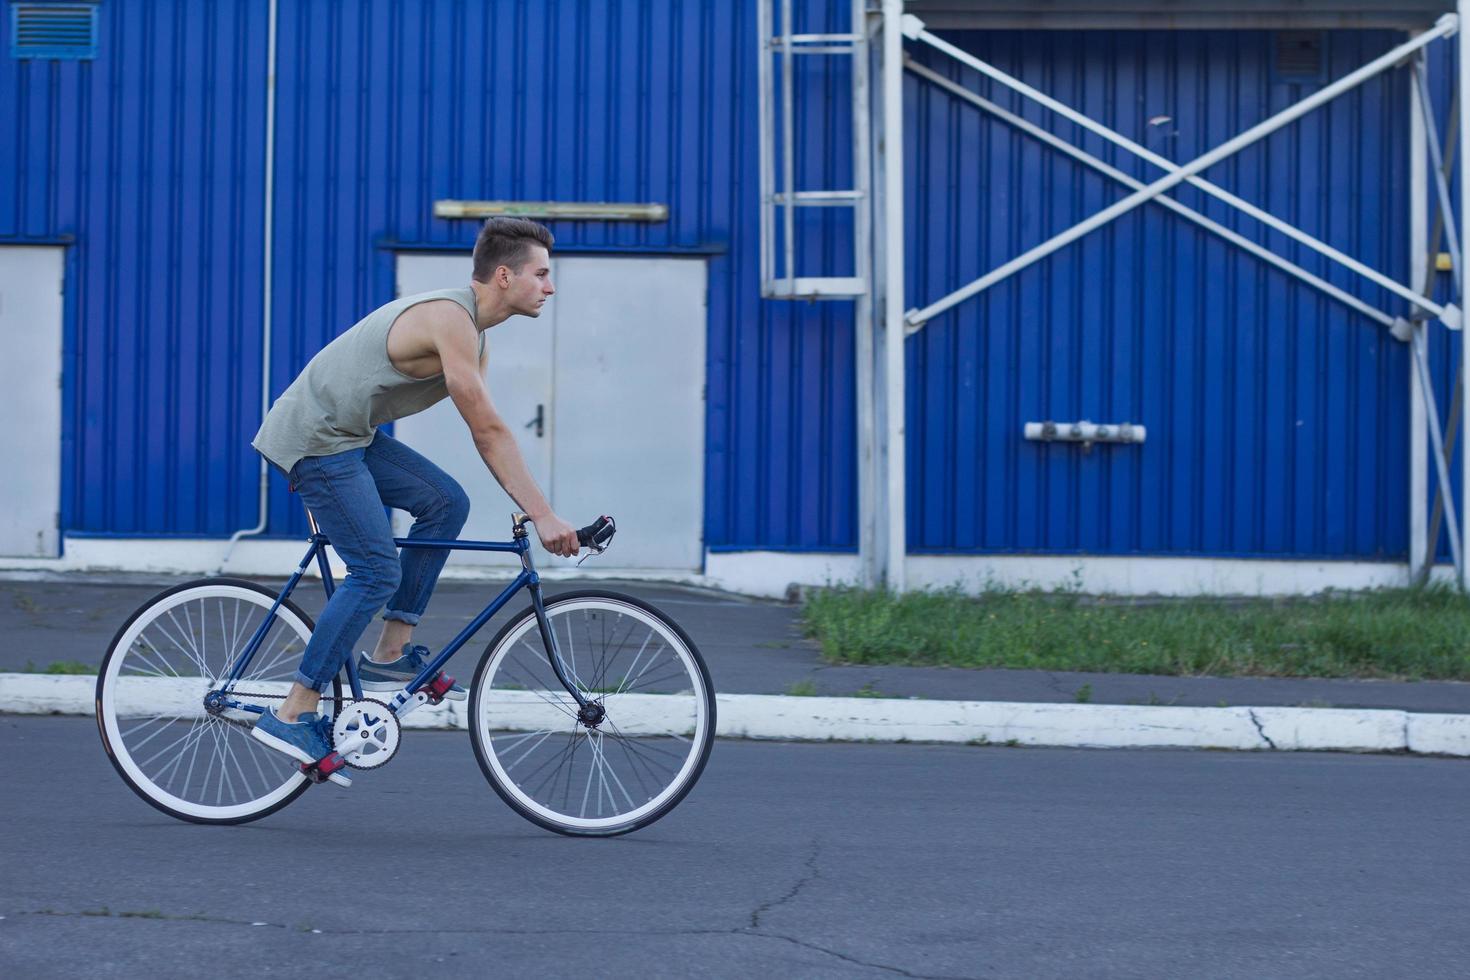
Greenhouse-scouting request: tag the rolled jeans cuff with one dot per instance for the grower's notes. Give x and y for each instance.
(411, 619)
(306, 680)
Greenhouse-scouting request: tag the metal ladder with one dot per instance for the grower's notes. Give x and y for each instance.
(779, 279)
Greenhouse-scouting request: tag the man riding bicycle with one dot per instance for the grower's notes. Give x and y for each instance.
(323, 434)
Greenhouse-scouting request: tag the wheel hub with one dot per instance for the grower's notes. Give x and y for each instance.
(592, 714)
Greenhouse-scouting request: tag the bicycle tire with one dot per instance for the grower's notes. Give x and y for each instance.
(528, 696)
(153, 675)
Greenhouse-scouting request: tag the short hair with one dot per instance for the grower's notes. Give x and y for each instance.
(505, 241)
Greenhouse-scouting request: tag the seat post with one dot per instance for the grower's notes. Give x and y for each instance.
(311, 520)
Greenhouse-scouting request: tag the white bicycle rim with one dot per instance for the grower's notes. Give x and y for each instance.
(183, 699)
(496, 718)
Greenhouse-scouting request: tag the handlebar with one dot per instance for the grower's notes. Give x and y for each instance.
(596, 536)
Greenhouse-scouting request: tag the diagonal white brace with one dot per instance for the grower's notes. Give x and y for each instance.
(1436, 439)
(1240, 241)
(1436, 158)
(1179, 174)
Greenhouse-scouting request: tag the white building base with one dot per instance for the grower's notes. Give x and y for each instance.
(773, 574)
(770, 573)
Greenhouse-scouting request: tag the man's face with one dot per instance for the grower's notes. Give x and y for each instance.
(529, 289)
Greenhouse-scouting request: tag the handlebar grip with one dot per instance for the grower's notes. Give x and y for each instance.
(598, 534)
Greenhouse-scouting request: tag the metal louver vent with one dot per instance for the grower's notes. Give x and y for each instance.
(53, 30)
(1300, 56)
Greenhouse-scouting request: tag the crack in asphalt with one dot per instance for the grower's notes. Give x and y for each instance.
(1056, 684)
(848, 959)
(810, 875)
(1259, 730)
(747, 933)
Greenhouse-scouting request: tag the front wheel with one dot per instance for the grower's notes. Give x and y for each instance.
(622, 771)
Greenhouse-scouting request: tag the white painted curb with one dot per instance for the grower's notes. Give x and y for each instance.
(773, 716)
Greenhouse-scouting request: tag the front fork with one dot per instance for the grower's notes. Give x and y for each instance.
(589, 713)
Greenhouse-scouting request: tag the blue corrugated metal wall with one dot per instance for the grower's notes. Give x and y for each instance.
(149, 161)
(386, 107)
(390, 106)
(1277, 420)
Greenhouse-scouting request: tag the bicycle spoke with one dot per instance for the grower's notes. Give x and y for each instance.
(192, 740)
(533, 748)
(567, 753)
(262, 672)
(518, 739)
(226, 648)
(674, 674)
(575, 744)
(607, 766)
(163, 728)
(637, 658)
(158, 670)
(633, 678)
(178, 644)
(192, 652)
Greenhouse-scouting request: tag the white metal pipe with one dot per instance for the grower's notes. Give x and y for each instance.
(1436, 439)
(1240, 241)
(1463, 81)
(1179, 174)
(863, 323)
(896, 550)
(788, 132)
(822, 199)
(818, 49)
(1436, 156)
(1420, 559)
(806, 39)
(266, 285)
(767, 139)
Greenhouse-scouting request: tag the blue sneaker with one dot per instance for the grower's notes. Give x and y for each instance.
(308, 740)
(395, 675)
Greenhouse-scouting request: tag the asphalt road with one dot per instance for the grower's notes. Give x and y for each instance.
(787, 860)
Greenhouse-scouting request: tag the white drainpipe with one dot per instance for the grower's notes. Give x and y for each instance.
(265, 367)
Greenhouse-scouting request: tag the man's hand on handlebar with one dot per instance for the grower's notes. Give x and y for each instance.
(557, 536)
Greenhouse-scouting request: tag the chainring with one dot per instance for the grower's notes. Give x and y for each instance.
(366, 733)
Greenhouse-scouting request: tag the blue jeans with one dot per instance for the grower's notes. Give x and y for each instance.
(347, 493)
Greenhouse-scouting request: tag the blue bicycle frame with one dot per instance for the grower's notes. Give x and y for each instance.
(520, 545)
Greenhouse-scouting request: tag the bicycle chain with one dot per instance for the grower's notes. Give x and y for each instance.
(222, 717)
(324, 697)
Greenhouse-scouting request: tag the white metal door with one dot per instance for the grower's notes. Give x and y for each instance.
(615, 364)
(630, 338)
(30, 377)
(519, 377)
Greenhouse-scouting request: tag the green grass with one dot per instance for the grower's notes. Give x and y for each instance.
(1408, 634)
(59, 667)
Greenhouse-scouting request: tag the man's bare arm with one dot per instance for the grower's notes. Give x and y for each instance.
(456, 342)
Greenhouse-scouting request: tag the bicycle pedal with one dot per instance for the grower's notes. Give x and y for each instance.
(321, 770)
(438, 687)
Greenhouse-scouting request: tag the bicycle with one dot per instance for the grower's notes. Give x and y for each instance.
(599, 729)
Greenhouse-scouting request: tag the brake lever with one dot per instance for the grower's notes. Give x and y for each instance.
(591, 546)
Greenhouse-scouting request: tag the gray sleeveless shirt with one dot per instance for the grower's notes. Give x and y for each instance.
(350, 388)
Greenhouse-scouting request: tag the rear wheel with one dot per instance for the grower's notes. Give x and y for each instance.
(191, 762)
(621, 771)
